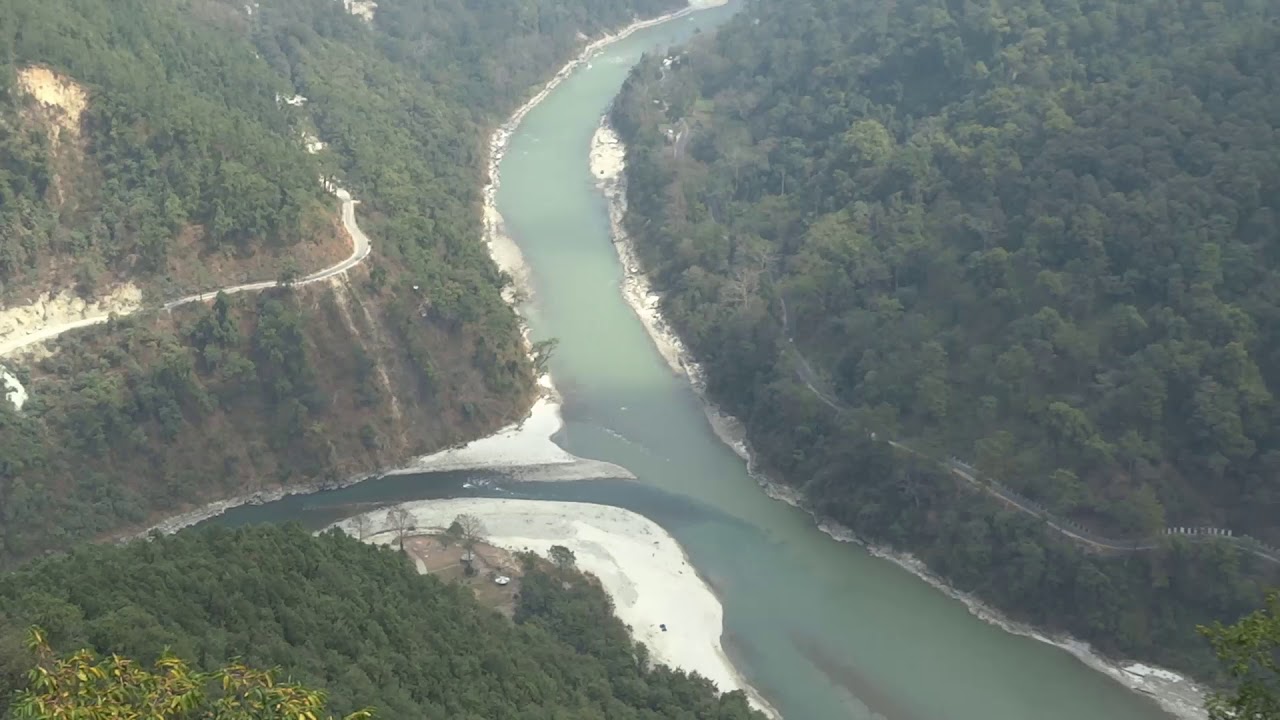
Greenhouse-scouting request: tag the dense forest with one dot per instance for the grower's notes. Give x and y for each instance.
(189, 168)
(179, 133)
(1037, 238)
(354, 621)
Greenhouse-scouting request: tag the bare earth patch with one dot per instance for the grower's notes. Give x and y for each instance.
(12, 389)
(434, 554)
(49, 312)
(56, 92)
(59, 105)
(362, 9)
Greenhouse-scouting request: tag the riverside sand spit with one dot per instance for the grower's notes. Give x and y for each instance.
(639, 564)
(524, 450)
(1176, 694)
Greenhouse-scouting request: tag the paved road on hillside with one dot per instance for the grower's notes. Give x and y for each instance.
(360, 249)
(811, 379)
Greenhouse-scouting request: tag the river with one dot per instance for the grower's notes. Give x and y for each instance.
(823, 629)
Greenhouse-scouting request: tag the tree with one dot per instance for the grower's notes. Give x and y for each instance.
(470, 530)
(83, 687)
(289, 273)
(401, 521)
(377, 277)
(452, 534)
(996, 455)
(563, 557)
(360, 524)
(542, 352)
(1249, 652)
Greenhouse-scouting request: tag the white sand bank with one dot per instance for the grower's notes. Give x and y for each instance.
(1178, 695)
(639, 564)
(523, 450)
(608, 167)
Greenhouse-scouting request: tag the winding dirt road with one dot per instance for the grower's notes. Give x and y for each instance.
(360, 248)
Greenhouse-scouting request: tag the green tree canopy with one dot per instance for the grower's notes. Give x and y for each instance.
(1249, 651)
(84, 687)
(332, 614)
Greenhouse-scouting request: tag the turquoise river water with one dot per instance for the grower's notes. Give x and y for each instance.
(823, 629)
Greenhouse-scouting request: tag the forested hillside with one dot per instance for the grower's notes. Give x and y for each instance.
(354, 621)
(173, 146)
(1040, 238)
(131, 133)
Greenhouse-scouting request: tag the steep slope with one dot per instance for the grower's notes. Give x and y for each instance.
(1036, 238)
(151, 151)
(355, 621)
(144, 146)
